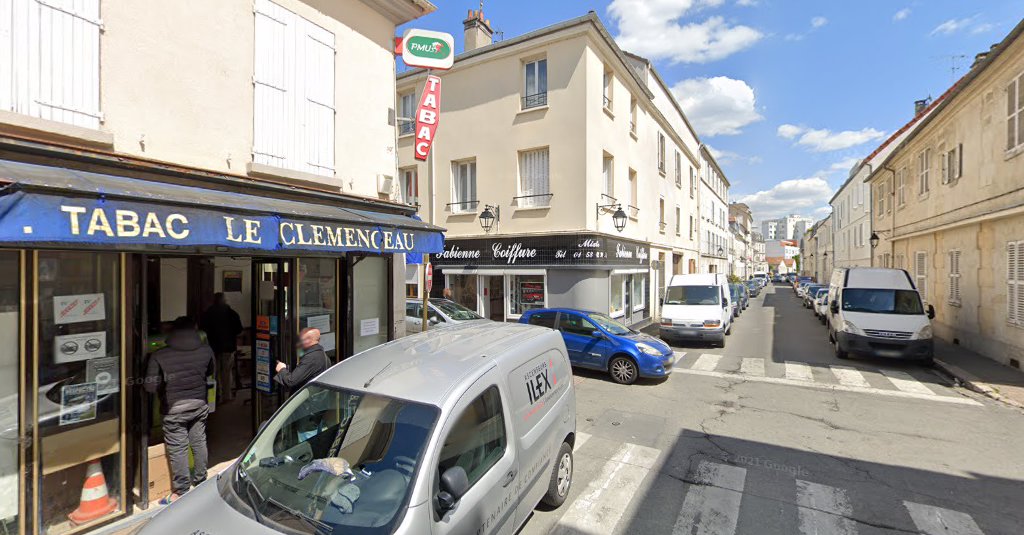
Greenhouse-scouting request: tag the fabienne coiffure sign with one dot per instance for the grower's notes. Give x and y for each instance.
(580, 249)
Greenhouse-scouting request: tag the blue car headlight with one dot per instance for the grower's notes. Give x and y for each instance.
(648, 349)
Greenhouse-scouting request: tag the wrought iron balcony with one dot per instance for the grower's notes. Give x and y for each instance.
(406, 127)
(541, 200)
(535, 101)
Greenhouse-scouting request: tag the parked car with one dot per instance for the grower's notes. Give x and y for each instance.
(809, 294)
(761, 278)
(736, 294)
(406, 437)
(878, 312)
(800, 287)
(697, 306)
(598, 342)
(439, 312)
(754, 286)
(821, 304)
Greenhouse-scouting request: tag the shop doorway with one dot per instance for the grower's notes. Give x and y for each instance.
(494, 297)
(273, 340)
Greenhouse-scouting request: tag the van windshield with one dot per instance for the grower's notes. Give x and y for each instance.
(882, 301)
(335, 461)
(692, 295)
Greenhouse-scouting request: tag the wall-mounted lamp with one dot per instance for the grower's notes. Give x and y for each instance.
(489, 216)
(618, 218)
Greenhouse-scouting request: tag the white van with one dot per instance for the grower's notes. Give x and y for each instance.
(456, 430)
(697, 307)
(878, 312)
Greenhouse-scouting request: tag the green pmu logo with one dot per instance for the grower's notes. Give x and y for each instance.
(429, 47)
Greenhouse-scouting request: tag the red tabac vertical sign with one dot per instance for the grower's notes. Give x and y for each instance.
(427, 116)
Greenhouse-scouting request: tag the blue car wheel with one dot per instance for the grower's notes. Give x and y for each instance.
(623, 370)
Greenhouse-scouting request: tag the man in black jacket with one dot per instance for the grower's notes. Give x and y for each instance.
(222, 326)
(312, 363)
(178, 374)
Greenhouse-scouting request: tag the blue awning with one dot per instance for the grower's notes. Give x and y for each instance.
(53, 205)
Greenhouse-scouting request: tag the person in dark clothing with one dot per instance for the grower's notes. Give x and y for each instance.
(312, 363)
(177, 373)
(222, 326)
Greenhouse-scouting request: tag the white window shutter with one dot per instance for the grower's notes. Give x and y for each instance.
(1019, 284)
(317, 122)
(271, 109)
(533, 176)
(921, 272)
(1011, 282)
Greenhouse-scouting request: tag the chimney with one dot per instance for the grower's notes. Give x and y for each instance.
(478, 30)
(920, 105)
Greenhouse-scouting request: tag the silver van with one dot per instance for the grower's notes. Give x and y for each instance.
(459, 430)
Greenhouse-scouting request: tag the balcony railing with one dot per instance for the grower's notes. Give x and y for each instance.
(541, 200)
(535, 101)
(406, 127)
(462, 207)
(633, 211)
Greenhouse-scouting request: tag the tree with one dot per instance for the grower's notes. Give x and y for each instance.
(796, 262)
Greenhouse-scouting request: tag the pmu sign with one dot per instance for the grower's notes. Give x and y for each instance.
(427, 49)
(427, 116)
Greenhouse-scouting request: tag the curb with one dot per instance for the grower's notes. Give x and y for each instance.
(973, 383)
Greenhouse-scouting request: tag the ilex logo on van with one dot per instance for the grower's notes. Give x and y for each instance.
(540, 381)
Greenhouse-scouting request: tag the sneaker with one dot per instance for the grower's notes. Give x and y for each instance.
(169, 499)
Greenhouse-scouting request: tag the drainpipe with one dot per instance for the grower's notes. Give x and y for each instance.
(892, 223)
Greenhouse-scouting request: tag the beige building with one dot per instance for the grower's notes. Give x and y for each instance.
(949, 206)
(153, 155)
(743, 250)
(715, 236)
(554, 133)
(817, 251)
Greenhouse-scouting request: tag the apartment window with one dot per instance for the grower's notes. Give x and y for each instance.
(691, 227)
(901, 262)
(921, 272)
(661, 215)
(1014, 110)
(608, 171)
(661, 153)
(901, 186)
(536, 76)
(887, 261)
(1015, 283)
(464, 186)
(924, 162)
(293, 101)
(534, 179)
(954, 277)
(888, 197)
(632, 115)
(407, 114)
(952, 164)
(50, 60)
(693, 183)
(410, 186)
(679, 170)
(679, 217)
(609, 81)
(880, 200)
(632, 194)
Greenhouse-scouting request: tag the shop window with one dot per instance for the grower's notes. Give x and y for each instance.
(463, 288)
(10, 275)
(79, 387)
(526, 292)
(318, 300)
(412, 280)
(639, 291)
(370, 325)
(615, 303)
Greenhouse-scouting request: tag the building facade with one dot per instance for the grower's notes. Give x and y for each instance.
(152, 158)
(817, 254)
(554, 133)
(791, 227)
(760, 253)
(715, 236)
(951, 208)
(740, 222)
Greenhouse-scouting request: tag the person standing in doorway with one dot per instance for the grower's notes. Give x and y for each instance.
(222, 326)
(177, 373)
(313, 362)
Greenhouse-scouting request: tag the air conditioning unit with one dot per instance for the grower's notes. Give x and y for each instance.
(385, 184)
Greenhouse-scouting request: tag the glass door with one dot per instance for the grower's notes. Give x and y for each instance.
(273, 336)
(494, 297)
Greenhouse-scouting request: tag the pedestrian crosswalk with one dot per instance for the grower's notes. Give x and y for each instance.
(715, 493)
(883, 381)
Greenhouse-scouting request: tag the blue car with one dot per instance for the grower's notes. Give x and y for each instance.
(598, 342)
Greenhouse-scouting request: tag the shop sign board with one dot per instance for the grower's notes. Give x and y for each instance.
(428, 49)
(428, 114)
(81, 346)
(77, 403)
(552, 250)
(78, 308)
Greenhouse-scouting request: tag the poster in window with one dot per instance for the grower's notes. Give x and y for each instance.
(81, 346)
(104, 372)
(232, 281)
(531, 293)
(78, 308)
(77, 403)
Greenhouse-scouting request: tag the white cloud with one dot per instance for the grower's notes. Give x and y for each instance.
(726, 156)
(824, 140)
(717, 106)
(653, 28)
(982, 28)
(901, 14)
(844, 165)
(746, 3)
(798, 196)
(970, 24)
(818, 22)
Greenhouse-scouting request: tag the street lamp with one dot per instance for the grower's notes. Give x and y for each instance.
(618, 218)
(721, 252)
(488, 217)
(873, 240)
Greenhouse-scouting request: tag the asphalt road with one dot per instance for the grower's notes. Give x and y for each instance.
(773, 435)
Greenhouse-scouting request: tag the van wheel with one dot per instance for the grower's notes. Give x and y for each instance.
(840, 354)
(623, 370)
(561, 478)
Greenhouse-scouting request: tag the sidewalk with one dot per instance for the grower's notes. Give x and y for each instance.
(981, 374)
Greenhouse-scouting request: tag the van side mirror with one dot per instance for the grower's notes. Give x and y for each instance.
(454, 485)
(834, 306)
(931, 312)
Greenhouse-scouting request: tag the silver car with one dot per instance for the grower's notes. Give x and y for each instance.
(439, 312)
(451, 431)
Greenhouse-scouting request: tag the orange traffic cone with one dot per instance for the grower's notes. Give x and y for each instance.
(95, 502)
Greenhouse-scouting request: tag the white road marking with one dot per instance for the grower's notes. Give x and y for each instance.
(823, 510)
(581, 439)
(906, 382)
(602, 504)
(706, 362)
(849, 377)
(932, 520)
(712, 505)
(751, 366)
(834, 387)
(798, 371)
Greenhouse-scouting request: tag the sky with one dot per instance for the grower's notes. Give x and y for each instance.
(788, 94)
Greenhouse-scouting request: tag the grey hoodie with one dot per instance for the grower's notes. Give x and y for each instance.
(178, 372)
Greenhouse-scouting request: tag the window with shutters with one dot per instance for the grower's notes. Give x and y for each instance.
(679, 170)
(608, 176)
(880, 201)
(633, 192)
(952, 165)
(1014, 109)
(661, 215)
(293, 101)
(901, 262)
(534, 179)
(693, 183)
(924, 162)
(691, 227)
(679, 218)
(1015, 283)
(50, 60)
(921, 273)
(407, 114)
(953, 296)
(661, 153)
(901, 186)
(464, 186)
